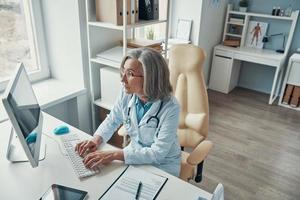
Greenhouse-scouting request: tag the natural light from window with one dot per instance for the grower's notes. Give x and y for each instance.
(16, 38)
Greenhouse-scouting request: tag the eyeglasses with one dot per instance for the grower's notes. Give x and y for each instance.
(129, 74)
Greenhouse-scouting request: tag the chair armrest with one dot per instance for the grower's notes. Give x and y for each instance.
(200, 152)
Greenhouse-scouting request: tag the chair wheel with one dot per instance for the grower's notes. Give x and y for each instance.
(198, 178)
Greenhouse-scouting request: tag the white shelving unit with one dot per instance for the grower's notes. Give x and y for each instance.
(292, 77)
(102, 37)
(246, 17)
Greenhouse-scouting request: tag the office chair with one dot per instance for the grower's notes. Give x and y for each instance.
(186, 76)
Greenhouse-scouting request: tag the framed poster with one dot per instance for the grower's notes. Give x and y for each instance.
(256, 32)
(184, 27)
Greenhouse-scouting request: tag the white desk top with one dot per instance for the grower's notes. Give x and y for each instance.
(20, 181)
(264, 53)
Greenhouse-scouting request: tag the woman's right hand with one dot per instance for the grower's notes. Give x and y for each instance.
(88, 146)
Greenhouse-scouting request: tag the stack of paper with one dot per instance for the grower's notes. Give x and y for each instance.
(114, 54)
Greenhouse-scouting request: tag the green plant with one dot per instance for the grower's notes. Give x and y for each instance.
(243, 3)
(150, 33)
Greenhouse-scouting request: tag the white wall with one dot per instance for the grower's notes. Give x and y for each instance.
(61, 21)
(187, 9)
(211, 30)
(65, 31)
(208, 22)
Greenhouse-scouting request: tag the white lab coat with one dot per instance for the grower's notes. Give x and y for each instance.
(149, 145)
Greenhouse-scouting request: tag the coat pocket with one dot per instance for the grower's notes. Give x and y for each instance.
(147, 135)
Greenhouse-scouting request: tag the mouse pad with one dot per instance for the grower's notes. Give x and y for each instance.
(59, 192)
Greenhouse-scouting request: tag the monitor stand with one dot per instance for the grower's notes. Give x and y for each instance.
(15, 151)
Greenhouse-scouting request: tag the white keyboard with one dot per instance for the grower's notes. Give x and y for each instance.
(69, 142)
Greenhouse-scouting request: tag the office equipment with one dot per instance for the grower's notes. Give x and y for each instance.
(69, 142)
(62, 129)
(186, 76)
(55, 168)
(59, 192)
(129, 181)
(102, 37)
(292, 77)
(27, 120)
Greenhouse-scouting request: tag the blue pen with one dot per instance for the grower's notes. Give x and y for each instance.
(138, 191)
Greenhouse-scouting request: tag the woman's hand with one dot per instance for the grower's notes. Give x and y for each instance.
(88, 145)
(94, 159)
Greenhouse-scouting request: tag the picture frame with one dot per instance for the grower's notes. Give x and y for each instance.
(183, 31)
(255, 34)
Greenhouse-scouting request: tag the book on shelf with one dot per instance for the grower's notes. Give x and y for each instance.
(231, 43)
(295, 97)
(236, 20)
(137, 43)
(288, 94)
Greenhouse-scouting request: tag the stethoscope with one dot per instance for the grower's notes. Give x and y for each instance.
(154, 118)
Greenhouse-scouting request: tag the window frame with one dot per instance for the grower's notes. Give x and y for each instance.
(34, 9)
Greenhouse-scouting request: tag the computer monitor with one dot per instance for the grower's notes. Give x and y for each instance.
(26, 118)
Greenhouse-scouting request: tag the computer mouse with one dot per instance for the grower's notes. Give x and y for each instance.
(60, 130)
(31, 138)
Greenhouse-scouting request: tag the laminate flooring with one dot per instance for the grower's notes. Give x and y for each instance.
(256, 153)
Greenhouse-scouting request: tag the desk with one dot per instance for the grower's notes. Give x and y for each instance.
(20, 181)
(226, 66)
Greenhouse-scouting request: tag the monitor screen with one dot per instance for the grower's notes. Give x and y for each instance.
(24, 113)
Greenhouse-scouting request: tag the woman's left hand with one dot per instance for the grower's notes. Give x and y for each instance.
(94, 159)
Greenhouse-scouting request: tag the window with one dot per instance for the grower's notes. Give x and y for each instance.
(19, 40)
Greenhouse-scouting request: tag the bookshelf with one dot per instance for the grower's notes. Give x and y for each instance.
(104, 71)
(292, 77)
(236, 24)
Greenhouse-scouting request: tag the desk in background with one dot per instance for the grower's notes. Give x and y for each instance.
(20, 181)
(226, 63)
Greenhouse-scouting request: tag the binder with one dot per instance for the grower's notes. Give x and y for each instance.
(136, 11)
(148, 9)
(155, 9)
(111, 11)
(295, 97)
(288, 93)
(132, 11)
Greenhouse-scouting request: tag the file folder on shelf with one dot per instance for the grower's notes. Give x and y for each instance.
(288, 93)
(295, 97)
(149, 9)
(111, 11)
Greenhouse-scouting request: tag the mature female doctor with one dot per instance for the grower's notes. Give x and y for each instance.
(149, 113)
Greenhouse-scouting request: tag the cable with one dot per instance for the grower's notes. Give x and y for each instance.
(58, 143)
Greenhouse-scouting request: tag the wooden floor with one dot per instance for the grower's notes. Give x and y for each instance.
(256, 152)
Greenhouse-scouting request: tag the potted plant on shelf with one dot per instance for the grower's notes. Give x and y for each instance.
(243, 5)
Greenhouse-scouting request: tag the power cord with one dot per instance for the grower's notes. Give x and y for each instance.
(58, 143)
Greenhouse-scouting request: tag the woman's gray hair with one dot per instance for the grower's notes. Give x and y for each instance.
(156, 73)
